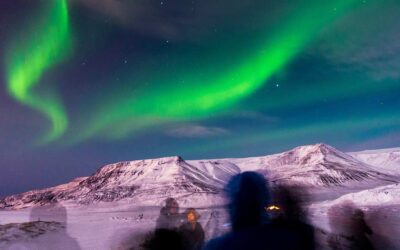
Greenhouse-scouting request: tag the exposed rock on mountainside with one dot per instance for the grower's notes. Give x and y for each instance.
(151, 181)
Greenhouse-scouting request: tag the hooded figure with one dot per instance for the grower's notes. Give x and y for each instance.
(288, 213)
(169, 217)
(192, 231)
(248, 196)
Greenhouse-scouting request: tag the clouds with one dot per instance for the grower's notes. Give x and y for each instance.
(386, 140)
(189, 21)
(196, 131)
(139, 16)
(366, 41)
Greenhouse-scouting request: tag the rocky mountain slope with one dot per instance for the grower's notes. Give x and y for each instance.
(314, 165)
(319, 167)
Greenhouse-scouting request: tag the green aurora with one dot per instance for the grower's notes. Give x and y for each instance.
(193, 89)
(166, 100)
(47, 44)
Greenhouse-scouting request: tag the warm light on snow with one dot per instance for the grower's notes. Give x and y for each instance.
(272, 208)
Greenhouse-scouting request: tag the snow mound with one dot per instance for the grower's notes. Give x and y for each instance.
(386, 195)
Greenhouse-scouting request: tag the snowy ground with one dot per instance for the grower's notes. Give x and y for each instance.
(96, 228)
(110, 228)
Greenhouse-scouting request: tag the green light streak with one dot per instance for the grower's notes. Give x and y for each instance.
(168, 101)
(48, 43)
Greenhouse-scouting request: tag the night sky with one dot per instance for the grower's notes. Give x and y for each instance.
(90, 82)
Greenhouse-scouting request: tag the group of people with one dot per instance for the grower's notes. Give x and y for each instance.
(175, 230)
(255, 223)
(258, 220)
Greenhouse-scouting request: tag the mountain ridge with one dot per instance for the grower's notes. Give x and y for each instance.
(152, 180)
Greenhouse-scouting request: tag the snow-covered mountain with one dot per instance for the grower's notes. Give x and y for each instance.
(153, 179)
(149, 182)
(313, 165)
(385, 160)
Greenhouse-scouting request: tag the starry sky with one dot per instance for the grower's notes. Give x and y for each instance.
(90, 82)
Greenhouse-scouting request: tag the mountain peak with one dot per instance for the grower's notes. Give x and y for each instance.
(170, 159)
(150, 181)
(312, 153)
(319, 147)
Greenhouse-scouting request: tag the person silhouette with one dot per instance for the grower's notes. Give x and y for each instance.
(164, 239)
(169, 217)
(166, 234)
(59, 239)
(289, 214)
(248, 196)
(385, 230)
(349, 229)
(192, 231)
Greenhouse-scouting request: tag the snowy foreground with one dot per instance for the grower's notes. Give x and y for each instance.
(118, 205)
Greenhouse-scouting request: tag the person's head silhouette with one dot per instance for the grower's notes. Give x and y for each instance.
(288, 201)
(172, 206)
(192, 215)
(169, 215)
(248, 195)
(56, 214)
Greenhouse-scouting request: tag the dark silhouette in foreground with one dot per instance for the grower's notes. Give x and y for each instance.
(172, 232)
(385, 229)
(60, 240)
(169, 217)
(192, 231)
(164, 239)
(248, 197)
(348, 228)
(289, 214)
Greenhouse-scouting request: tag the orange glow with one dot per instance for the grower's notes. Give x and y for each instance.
(272, 208)
(191, 217)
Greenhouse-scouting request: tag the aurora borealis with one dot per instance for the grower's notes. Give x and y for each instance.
(201, 97)
(88, 82)
(27, 60)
